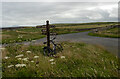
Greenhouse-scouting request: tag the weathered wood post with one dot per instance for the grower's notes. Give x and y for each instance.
(48, 33)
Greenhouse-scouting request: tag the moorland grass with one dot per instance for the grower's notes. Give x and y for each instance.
(19, 35)
(76, 60)
(29, 34)
(111, 33)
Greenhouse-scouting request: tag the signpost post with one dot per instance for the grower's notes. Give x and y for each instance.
(46, 31)
(48, 34)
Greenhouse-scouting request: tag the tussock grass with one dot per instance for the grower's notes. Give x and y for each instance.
(81, 60)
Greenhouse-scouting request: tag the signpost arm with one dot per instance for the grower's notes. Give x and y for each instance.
(48, 33)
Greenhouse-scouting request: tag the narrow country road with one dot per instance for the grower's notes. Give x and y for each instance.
(111, 44)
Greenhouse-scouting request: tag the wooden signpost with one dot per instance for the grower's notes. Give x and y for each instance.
(46, 31)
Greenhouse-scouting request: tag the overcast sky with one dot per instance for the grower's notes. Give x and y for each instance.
(34, 13)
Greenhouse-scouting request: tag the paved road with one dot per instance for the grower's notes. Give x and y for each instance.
(111, 44)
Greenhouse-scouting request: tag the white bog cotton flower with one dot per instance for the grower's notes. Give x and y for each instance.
(19, 55)
(20, 65)
(36, 56)
(19, 58)
(51, 60)
(25, 59)
(28, 51)
(6, 57)
(62, 57)
(10, 66)
(32, 61)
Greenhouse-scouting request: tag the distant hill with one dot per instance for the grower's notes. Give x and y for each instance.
(62, 24)
(75, 24)
(12, 28)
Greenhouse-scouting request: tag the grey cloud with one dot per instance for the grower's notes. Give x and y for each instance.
(33, 13)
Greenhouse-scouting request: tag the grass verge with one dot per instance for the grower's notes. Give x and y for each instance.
(111, 33)
(76, 60)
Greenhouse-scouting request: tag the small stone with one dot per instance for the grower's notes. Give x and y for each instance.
(37, 62)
